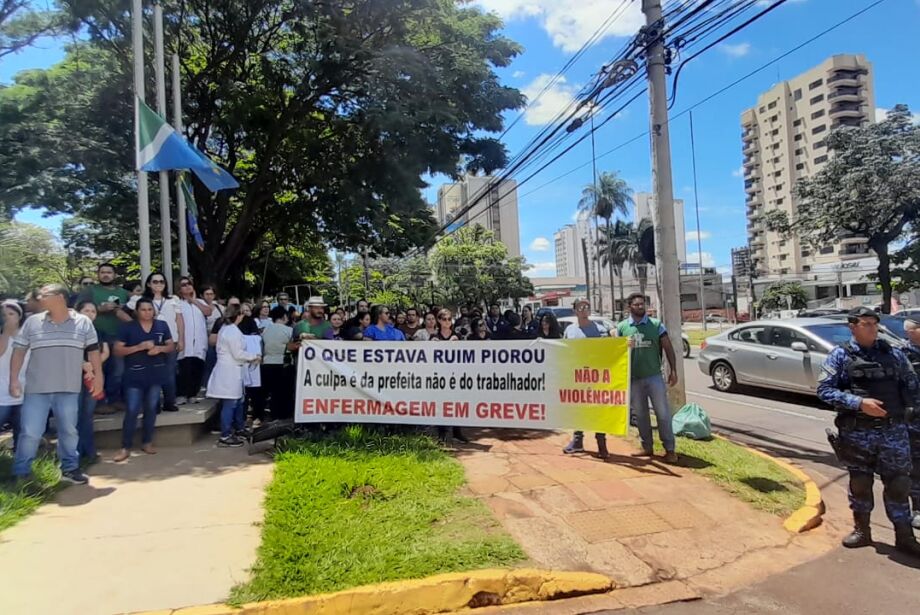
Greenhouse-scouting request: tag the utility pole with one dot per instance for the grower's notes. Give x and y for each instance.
(599, 302)
(584, 253)
(143, 209)
(735, 297)
(665, 237)
(180, 195)
(699, 239)
(165, 221)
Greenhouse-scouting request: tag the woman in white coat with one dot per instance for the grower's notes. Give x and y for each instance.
(226, 381)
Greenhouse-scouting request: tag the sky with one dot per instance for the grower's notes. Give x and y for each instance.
(551, 31)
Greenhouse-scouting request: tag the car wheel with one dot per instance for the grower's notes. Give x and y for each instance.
(723, 377)
(686, 349)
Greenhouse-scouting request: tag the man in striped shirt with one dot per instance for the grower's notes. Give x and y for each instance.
(58, 338)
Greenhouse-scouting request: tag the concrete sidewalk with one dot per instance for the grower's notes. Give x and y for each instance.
(158, 531)
(661, 530)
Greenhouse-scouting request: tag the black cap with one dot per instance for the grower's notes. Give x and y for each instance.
(862, 312)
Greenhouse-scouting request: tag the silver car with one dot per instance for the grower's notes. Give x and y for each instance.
(775, 354)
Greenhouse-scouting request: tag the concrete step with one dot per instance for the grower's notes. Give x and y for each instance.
(180, 428)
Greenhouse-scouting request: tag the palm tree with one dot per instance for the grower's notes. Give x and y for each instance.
(622, 243)
(609, 196)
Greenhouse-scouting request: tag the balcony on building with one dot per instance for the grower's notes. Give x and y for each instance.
(749, 147)
(842, 94)
(751, 186)
(846, 76)
(846, 110)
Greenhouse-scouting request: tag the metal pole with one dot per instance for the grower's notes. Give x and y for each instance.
(143, 210)
(599, 303)
(666, 243)
(735, 298)
(180, 195)
(165, 224)
(699, 239)
(584, 251)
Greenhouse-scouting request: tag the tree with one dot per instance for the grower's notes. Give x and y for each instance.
(21, 25)
(622, 244)
(870, 188)
(31, 257)
(906, 261)
(611, 195)
(472, 268)
(784, 296)
(328, 113)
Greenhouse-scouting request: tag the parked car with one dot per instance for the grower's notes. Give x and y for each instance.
(558, 312)
(608, 325)
(819, 312)
(716, 318)
(784, 355)
(893, 325)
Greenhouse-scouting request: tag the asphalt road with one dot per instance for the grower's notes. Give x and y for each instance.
(870, 580)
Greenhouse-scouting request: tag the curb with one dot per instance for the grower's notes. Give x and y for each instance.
(809, 516)
(436, 594)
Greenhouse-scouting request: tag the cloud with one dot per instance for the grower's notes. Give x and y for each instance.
(739, 172)
(540, 244)
(556, 98)
(708, 260)
(569, 23)
(543, 269)
(518, 74)
(736, 51)
(881, 113)
(704, 235)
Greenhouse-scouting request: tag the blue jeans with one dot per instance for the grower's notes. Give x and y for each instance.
(654, 388)
(140, 399)
(114, 371)
(11, 414)
(231, 416)
(87, 444)
(169, 388)
(34, 418)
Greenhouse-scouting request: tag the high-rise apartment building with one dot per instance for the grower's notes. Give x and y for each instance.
(741, 263)
(570, 260)
(496, 207)
(783, 140)
(645, 201)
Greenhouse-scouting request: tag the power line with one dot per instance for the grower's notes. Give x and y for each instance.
(717, 92)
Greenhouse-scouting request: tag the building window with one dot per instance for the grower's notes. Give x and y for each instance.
(827, 249)
(815, 84)
(798, 137)
(772, 105)
(778, 201)
(762, 109)
(800, 166)
(775, 132)
(784, 271)
(817, 114)
(797, 95)
(776, 146)
(819, 129)
(820, 159)
(819, 144)
(816, 99)
(806, 253)
(688, 298)
(777, 174)
(806, 268)
(798, 122)
(800, 151)
(783, 257)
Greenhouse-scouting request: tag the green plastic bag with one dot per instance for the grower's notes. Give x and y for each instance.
(691, 421)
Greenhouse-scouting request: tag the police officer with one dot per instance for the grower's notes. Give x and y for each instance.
(912, 328)
(871, 385)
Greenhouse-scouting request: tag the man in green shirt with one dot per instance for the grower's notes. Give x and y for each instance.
(109, 298)
(313, 325)
(648, 338)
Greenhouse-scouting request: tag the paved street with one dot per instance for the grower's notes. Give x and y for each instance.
(853, 582)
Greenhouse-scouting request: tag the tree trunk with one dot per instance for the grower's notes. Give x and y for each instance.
(622, 298)
(597, 259)
(610, 265)
(643, 278)
(884, 274)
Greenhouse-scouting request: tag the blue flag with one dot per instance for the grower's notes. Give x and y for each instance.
(191, 213)
(161, 148)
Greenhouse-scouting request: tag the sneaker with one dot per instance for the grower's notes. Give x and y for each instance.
(575, 446)
(915, 521)
(181, 401)
(670, 457)
(74, 477)
(170, 408)
(230, 442)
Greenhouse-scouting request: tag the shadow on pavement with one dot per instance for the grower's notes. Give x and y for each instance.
(797, 399)
(79, 496)
(764, 485)
(896, 556)
(695, 463)
(782, 448)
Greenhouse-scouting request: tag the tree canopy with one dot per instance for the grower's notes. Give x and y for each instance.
(328, 113)
(783, 296)
(869, 188)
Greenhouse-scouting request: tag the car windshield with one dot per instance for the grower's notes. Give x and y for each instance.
(563, 312)
(895, 325)
(839, 333)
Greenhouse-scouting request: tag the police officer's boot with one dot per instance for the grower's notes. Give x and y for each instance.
(861, 536)
(602, 446)
(904, 540)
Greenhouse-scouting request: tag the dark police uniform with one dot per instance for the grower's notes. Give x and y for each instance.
(913, 428)
(870, 445)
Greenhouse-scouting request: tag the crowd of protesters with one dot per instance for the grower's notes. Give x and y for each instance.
(146, 349)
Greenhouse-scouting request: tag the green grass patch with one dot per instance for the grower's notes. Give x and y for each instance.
(757, 481)
(698, 335)
(360, 507)
(18, 502)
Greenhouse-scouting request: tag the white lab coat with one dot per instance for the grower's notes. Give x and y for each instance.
(226, 381)
(196, 332)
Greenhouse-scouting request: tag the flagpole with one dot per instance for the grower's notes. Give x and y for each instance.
(165, 224)
(180, 195)
(143, 210)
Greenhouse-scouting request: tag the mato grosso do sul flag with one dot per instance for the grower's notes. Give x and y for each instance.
(191, 211)
(160, 147)
(533, 384)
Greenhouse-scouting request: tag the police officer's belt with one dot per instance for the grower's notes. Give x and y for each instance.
(862, 421)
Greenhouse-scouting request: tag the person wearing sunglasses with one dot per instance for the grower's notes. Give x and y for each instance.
(383, 330)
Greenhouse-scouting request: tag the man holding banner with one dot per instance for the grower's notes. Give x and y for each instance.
(648, 338)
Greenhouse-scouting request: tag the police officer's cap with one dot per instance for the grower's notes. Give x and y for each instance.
(862, 311)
